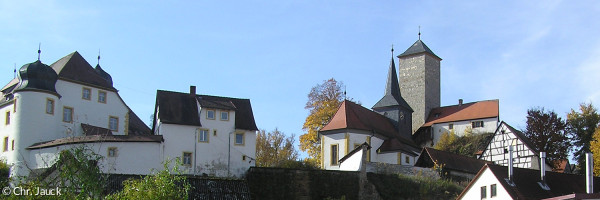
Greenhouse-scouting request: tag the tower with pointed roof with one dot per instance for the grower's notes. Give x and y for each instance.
(393, 106)
(419, 70)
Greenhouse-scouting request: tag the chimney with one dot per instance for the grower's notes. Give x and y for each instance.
(460, 102)
(543, 166)
(589, 175)
(192, 90)
(510, 162)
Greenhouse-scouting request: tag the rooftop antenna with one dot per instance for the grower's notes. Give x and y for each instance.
(39, 50)
(419, 32)
(98, 56)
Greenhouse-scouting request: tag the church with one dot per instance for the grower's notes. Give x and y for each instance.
(407, 118)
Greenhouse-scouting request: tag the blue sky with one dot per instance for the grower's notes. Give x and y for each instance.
(524, 53)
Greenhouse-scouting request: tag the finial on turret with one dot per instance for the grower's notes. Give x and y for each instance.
(39, 50)
(419, 32)
(98, 56)
(392, 50)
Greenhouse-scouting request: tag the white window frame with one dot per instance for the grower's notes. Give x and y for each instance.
(70, 118)
(226, 114)
(89, 93)
(213, 114)
(110, 124)
(235, 141)
(203, 135)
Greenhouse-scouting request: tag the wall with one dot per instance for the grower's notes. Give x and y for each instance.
(462, 127)
(350, 138)
(495, 151)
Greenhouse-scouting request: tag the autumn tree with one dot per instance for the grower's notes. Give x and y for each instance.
(548, 133)
(582, 126)
(595, 148)
(274, 149)
(323, 101)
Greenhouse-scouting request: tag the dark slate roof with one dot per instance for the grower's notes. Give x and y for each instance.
(399, 144)
(37, 76)
(177, 108)
(526, 183)
(94, 130)
(96, 139)
(431, 156)
(137, 126)
(417, 48)
(392, 95)
(181, 108)
(74, 67)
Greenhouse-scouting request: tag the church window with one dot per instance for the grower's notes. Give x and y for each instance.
(12, 145)
(7, 117)
(477, 124)
(5, 144)
(113, 123)
(86, 94)
(334, 154)
(50, 106)
(102, 96)
(67, 114)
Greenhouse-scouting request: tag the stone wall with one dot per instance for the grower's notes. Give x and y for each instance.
(384, 168)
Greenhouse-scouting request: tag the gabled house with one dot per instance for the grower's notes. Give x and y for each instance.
(463, 118)
(212, 135)
(525, 154)
(451, 164)
(494, 182)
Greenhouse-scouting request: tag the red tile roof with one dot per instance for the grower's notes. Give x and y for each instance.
(353, 116)
(96, 139)
(468, 111)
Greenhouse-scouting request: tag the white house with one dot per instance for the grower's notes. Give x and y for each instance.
(213, 135)
(468, 118)
(48, 109)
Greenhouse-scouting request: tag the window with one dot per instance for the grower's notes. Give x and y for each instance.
(202, 135)
(493, 190)
(12, 147)
(215, 132)
(407, 159)
(239, 138)
(244, 157)
(477, 124)
(113, 123)
(15, 106)
(210, 114)
(334, 154)
(50, 106)
(67, 114)
(7, 117)
(450, 126)
(5, 144)
(86, 94)
(483, 192)
(187, 158)
(112, 152)
(225, 116)
(102, 96)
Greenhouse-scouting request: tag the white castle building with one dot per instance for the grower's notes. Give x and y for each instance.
(48, 109)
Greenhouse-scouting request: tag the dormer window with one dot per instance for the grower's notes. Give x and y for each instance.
(224, 116)
(86, 94)
(210, 114)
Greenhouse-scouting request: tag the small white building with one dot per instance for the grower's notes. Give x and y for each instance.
(463, 118)
(213, 135)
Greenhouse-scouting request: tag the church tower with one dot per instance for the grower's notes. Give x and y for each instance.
(419, 75)
(393, 106)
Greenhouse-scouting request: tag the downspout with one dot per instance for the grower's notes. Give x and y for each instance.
(195, 150)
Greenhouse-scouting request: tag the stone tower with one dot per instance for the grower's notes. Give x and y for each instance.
(393, 106)
(419, 70)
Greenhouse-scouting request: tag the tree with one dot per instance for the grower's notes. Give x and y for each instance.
(548, 133)
(323, 101)
(595, 148)
(581, 127)
(446, 141)
(274, 149)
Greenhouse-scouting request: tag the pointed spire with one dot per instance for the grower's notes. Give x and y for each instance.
(392, 86)
(39, 50)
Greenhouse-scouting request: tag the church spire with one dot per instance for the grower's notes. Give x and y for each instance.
(392, 86)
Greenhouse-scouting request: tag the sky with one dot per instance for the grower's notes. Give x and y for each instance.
(524, 53)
